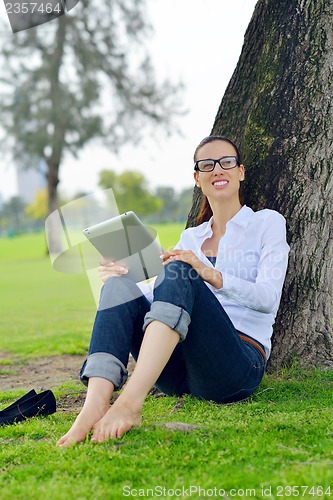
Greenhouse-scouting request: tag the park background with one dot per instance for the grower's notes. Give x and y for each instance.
(279, 441)
(179, 46)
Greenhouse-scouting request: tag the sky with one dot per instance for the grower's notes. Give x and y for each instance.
(197, 42)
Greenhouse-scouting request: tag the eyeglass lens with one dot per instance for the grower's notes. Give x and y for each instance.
(225, 162)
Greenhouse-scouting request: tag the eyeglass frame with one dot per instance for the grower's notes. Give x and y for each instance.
(196, 167)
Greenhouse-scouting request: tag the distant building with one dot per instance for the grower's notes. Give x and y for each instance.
(30, 180)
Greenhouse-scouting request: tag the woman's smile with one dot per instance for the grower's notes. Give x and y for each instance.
(220, 183)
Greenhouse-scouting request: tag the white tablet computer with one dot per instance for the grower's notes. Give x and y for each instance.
(127, 241)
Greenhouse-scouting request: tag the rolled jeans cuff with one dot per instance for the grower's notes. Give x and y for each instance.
(173, 316)
(104, 365)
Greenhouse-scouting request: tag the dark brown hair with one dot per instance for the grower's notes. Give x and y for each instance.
(205, 212)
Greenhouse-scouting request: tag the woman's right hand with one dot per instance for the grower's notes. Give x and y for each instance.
(108, 269)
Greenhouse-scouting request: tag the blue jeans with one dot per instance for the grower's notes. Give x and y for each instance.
(210, 361)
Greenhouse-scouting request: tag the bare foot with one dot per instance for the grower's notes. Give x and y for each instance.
(88, 416)
(120, 418)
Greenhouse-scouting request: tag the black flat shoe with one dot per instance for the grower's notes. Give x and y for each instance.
(38, 404)
(19, 401)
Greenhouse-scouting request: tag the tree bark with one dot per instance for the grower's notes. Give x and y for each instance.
(278, 108)
(58, 137)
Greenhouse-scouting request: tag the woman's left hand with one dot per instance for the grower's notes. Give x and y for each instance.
(185, 256)
(209, 274)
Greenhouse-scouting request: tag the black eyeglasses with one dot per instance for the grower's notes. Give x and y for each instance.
(208, 165)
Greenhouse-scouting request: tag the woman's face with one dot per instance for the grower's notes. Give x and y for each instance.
(219, 184)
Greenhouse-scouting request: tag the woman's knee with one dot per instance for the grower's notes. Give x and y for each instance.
(175, 271)
(118, 290)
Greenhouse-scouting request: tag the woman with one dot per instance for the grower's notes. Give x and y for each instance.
(206, 329)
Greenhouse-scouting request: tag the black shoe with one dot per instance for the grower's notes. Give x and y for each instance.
(28, 406)
(19, 401)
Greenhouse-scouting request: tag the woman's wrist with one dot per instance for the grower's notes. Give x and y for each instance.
(212, 276)
(217, 279)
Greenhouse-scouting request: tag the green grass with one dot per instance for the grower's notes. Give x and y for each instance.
(47, 312)
(281, 437)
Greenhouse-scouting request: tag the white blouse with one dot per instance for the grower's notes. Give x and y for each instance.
(252, 257)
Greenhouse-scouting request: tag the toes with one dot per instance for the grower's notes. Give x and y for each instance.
(96, 433)
(113, 426)
(99, 436)
(111, 431)
(63, 439)
(122, 429)
(72, 437)
(63, 442)
(68, 442)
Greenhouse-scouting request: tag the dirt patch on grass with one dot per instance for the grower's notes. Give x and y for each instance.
(48, 373)
(42, 373)
(39, 373)
(73, 403)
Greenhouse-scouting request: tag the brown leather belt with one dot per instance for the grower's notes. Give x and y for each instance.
(244, 338)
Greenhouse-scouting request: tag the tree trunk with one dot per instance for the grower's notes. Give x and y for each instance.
(53, 225)
(58, 140)
(278, 108)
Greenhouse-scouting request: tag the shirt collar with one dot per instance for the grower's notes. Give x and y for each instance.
(241, 218)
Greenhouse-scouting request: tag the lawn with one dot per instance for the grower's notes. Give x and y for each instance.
(277, 444)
